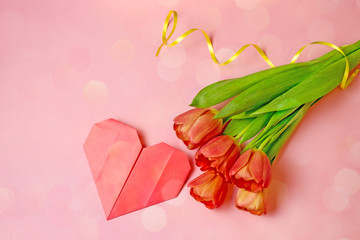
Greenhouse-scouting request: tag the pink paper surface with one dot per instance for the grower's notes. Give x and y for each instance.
(153, 179)
(129, 177)
(112, 149)
(65, 65)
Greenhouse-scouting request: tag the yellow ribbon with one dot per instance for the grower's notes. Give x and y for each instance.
(208, 41)
(346, 80)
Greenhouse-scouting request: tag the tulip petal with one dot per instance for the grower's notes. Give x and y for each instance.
(266, 172)
(203, 178)
(244, 198)
(190, 115)
(181, 131)
(190, 145)
(219, 154)
(209, 189)
(217, 146)
(208, 204)
(256, 166)
(251, 171)
(227, 165)
(250, 201)
(205, 128)
(241, 162)
(244, 173)
(202, 162)
(254, 187)
(222, 188)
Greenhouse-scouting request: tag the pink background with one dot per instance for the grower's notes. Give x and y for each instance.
(65, 65)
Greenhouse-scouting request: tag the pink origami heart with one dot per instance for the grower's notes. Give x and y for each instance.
(129, 177)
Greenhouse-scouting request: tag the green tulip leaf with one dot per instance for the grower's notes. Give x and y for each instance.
(248, 114)
(317, 85)
(271, 131)
(292, 86)
(278, 116)
(238, 125)
(274, 147)
(265, 91)
(223, 90)
(256, 126)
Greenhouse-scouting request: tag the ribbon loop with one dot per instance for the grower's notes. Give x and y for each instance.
(344, 82)
(208, 41)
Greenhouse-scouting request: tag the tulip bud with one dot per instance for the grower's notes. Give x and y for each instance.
(219, 155)
(251, 171)
(197, 126)
(252, 202)
(209, 189)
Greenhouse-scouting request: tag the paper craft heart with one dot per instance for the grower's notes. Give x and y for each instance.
(129, 177)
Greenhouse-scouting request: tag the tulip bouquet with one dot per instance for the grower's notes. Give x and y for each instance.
(262, 110)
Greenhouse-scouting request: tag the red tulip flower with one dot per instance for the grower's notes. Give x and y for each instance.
(209, 188)
(252, 202)
(197, 126)
(219, 155)
(251, 171)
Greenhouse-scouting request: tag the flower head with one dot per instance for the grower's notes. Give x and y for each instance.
(252, 202)
(251, 171)
(219, 155)
(209, 188)
(197, 126)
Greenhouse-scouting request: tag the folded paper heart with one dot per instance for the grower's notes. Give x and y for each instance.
(129, 177)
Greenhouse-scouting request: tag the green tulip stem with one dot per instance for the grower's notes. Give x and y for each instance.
(266, 141)
(242, 132)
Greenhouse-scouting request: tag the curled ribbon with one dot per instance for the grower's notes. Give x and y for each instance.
(346, 79)
(208, 41)
(344, 82)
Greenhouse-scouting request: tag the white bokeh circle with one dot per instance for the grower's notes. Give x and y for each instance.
(348, 180)
(123, 51)
(96, 92)
(335, 199)
(173, 56)
(224, 54)
(168, 74)
(154, 218)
